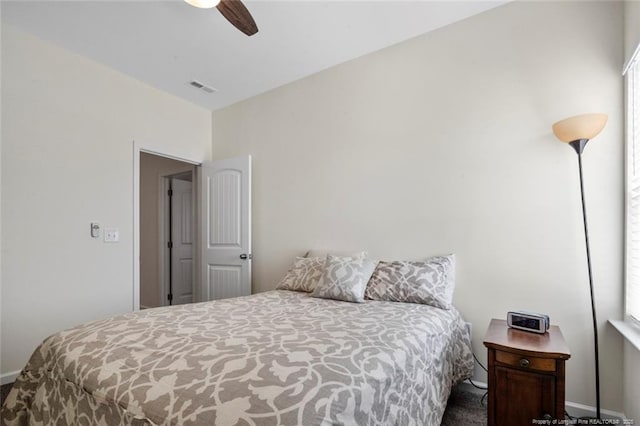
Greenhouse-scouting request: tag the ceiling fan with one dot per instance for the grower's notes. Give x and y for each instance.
(233, 10)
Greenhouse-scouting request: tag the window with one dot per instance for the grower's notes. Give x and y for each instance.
(633, 190)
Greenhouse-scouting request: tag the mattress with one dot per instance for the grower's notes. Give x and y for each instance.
(274, 358)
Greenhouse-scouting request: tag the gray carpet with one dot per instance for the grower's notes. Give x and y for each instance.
(463, 409)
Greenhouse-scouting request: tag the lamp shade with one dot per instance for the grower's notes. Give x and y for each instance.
(203, 4)
(584, 126)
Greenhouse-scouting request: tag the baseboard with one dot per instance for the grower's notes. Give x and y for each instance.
(581, 410)
(8, 377)
(473, 389)
(145, 307)
(478, 383)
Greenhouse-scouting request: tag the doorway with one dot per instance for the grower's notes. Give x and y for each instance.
(221, 200)
(167, 200)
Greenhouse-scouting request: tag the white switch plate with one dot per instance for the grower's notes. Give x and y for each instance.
(111, 235)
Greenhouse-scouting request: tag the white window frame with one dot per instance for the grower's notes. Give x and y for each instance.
(632, 190)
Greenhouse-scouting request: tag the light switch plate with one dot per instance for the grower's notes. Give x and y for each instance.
(111, 235)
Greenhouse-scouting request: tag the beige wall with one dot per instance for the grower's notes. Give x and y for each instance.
(67, 141)
(631, 27)
(1, 133)
(631, 379)
(443, 144)
(152, 168)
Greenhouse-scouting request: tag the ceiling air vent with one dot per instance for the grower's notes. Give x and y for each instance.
(201, 86)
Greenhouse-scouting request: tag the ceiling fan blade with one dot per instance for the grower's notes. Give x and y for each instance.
(238, 15)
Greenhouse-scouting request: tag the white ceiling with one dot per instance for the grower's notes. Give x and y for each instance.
(167, 44)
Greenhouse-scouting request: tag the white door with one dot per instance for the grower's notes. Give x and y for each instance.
(182, 242)
(225, 188)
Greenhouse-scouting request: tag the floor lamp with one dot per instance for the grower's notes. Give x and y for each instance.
(576, 131)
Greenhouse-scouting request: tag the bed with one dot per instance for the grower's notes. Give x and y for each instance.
(274, 358)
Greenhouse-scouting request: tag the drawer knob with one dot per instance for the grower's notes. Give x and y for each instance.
(524, 363)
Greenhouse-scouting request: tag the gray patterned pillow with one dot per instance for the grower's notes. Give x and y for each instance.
(344, 278)
(303, 275)
(430, 282)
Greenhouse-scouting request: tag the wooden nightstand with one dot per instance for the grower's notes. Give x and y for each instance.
(526, 374)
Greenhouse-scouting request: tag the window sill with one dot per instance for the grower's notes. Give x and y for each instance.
(629, 331)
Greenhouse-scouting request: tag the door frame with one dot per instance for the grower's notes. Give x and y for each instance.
(137, 149)
(163, 231)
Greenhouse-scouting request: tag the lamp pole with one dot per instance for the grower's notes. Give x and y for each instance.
(579, 145)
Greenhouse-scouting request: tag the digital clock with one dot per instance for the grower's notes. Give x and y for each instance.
(528, 321)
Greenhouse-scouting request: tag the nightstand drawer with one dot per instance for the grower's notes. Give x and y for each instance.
(526, 362)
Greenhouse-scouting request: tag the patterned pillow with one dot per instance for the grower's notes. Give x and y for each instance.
(344, 278)
(303, 275)
(430, 282)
